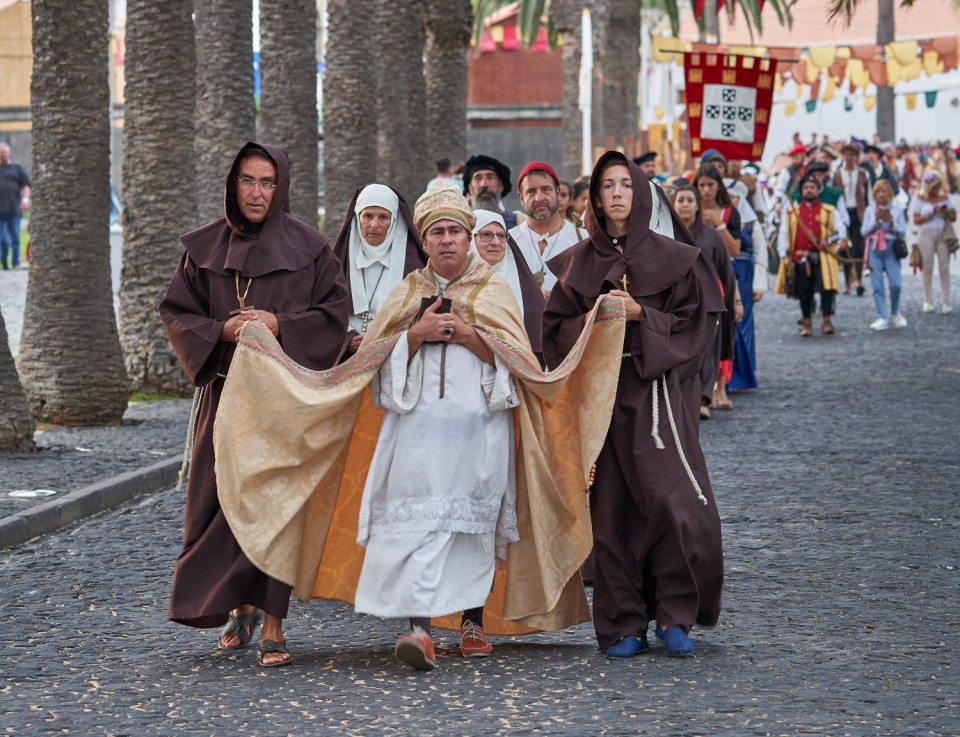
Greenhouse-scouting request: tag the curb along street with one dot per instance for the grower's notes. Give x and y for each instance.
(78, 505)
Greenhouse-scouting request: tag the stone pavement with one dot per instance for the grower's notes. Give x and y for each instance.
(837, 484)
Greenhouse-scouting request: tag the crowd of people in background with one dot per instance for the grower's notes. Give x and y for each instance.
(828, 218)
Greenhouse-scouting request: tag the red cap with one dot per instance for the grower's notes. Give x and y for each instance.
(798, 149)
(535, 166)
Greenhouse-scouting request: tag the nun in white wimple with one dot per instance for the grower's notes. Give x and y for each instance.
(493, 243)
(375, 264)
(490, 243)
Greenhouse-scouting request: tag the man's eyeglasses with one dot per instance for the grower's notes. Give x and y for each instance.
(488, 237)
(265, 184)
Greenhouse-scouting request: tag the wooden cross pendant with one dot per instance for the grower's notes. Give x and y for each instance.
(241, 308)
(623, 281)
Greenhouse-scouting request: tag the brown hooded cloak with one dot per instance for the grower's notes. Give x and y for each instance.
(284, 267)
(656, 527)
(533, 301)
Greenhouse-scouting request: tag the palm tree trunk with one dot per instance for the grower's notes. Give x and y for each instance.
(401, 98)
(158, 128)
(70, 359)
(621, 69)
(288, 94)
(567, 16)
(886, 123)
(349, 106)
(225, 114)
(448, 25)
(16, 420)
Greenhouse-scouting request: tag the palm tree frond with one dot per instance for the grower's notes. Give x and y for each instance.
(673, 13)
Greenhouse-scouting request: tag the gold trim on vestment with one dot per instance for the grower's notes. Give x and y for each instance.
(472, 297)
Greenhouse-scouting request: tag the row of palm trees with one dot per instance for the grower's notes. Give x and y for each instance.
(394, 101)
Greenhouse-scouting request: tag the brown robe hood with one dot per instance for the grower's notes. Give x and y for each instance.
(232, 243)
(652, 262)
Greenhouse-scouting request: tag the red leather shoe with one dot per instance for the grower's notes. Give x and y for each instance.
(415, 648)
(473, 643)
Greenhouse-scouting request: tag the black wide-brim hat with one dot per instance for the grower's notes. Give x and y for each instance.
(481, 162)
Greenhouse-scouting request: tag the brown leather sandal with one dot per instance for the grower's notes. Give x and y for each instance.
(272, 646)
(241, 627)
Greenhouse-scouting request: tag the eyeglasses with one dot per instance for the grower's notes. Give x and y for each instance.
(265, 184)
(488, 237)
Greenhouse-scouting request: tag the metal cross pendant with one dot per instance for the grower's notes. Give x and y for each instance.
(365, 319)
(623, 281)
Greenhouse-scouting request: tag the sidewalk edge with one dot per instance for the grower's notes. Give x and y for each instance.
(78, 505)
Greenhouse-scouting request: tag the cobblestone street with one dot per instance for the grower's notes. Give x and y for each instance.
(837, 483)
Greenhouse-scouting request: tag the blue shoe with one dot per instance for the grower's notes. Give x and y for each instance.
(675, 640)
(627, 647)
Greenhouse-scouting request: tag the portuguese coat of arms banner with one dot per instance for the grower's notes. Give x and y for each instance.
(728, 103)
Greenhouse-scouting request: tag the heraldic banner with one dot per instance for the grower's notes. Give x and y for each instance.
(728, 103)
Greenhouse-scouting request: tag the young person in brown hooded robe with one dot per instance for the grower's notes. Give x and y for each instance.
(686, 201)
(256, 263)
(655, 524)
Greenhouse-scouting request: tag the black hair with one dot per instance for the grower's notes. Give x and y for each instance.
(443, 165)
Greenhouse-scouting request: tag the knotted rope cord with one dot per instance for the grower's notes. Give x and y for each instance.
(655, 432)
(676, 435)
(191, 433)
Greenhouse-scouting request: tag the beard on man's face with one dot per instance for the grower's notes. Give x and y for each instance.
(486, 199)
(545, 215)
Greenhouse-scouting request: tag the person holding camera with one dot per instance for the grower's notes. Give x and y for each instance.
(883, 230)
(932, 213)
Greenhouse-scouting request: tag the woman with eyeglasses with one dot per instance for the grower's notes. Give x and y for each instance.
(932, 211)
(495, 246)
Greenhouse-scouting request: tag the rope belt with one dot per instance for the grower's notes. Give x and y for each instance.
(191, 433)
(655, 432)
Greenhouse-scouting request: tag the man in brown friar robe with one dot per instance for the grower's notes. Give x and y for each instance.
(256, 263)
(655, 524)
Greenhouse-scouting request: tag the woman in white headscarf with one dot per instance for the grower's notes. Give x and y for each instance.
(493, 244)
(377, 246)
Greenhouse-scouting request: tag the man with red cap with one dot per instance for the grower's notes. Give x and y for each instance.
(545, 233)
(790, 176)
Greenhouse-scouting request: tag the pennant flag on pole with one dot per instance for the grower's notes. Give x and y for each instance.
(728, 104)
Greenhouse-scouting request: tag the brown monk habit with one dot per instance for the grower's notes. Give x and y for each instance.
(282, 266)
(657, 545)
(711, 244)
(415, 259)
(533, 302)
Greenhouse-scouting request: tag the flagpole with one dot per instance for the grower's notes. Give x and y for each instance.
(586, 90)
